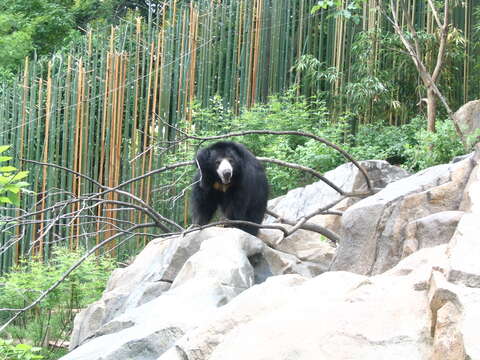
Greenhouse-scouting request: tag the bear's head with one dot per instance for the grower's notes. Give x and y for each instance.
(220, 162)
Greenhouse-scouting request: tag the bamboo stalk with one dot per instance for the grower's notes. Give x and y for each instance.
(38, 248)
(26, 79)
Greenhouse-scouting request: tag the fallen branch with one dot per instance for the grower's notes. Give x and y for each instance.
(330, 235)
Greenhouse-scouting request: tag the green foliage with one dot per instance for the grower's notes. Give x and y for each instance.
(27, 25)
(383, 142)
(433, 148)
(8, 351)
(281, 113)
(316, 71)
(53, 317)
(15, 41)
(45, 26)
(409, 145)
(11, 184)
(349, 10)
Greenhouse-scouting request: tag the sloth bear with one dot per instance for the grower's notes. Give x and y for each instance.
(229, 177)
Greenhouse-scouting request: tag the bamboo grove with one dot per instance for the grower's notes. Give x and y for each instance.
(102, 108)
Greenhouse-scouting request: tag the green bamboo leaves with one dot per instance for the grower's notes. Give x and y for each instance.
(11, 184)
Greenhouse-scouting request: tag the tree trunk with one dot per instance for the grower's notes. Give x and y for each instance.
(431, 109)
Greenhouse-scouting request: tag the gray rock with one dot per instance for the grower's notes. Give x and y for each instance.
(464, 251)
(337, 315)
(310, 246)
(470, 318)
(448, 341)
(464, 247)
(468, 118)
(455, 316)
(431, 230)
(471, 195)
(302, 201)
(152, 273)
(279, 263)
(304, 245)
(340, 315)
(210, 278)
(127, 287)
(461, 157)
(374, 229)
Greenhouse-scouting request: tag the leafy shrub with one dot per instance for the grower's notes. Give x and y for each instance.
(10, 180)
(409, 145)
(53, 317)
(281, 113)
(8, 351)
(433, 148)
(385, 142)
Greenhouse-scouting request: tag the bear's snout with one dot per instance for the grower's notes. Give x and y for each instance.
(225, 171)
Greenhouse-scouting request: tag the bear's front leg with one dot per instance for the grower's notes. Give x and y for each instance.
(204, 204)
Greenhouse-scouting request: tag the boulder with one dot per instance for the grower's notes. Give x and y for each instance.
(152, 273)
(468, 118)
(412, 290)
(302, 201)
(211, 266)
(211, 277)
(127, 288)
(337, 315)
(431, 230)
(310, 246)
(376, 229)
(465, 251)
(471, 195)
(409, 312)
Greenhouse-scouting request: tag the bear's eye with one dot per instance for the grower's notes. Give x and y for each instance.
(218, 161)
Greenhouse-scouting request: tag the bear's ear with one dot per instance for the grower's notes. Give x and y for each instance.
(202, 157)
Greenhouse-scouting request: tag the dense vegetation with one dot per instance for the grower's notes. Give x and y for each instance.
(108, 102)
(50, 322)
(409, 145)
(41, 27)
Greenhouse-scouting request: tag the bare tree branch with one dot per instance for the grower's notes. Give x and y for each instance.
(159, 219)
(68, 272)
(304, 169)
(290, 132)
(85, 212)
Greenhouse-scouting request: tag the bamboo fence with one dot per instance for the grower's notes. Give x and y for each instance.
(103, 107)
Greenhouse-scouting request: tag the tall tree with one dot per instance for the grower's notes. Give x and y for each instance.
(401, 14)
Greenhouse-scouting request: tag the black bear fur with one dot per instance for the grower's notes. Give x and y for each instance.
(242, 191)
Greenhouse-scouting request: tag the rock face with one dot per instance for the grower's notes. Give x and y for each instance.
(307, 245)
(379, 230)
(211, 266)
(468, 118)
(337, 315)
(301, 201)
(412, 289)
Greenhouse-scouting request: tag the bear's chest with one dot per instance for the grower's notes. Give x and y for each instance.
(221, 187)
